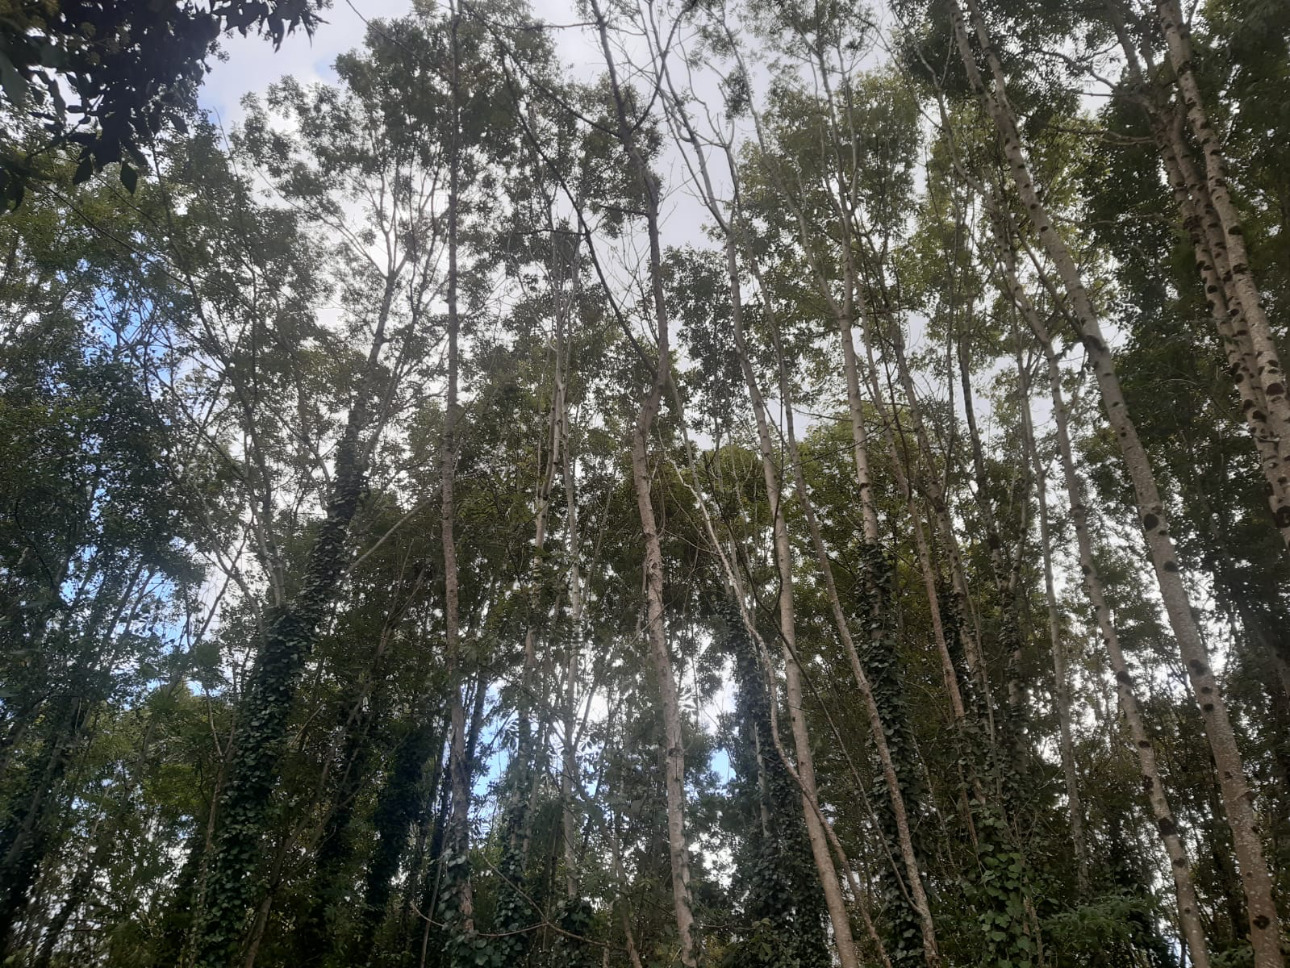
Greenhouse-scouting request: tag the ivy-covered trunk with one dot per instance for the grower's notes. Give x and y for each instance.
(230, 887)
(1237, 798)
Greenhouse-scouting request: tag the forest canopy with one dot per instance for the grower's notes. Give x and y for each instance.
(715, 483)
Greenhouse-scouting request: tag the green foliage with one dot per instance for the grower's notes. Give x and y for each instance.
(225, 684)
(132, 69)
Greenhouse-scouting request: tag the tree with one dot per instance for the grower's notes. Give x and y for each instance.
(134, 69)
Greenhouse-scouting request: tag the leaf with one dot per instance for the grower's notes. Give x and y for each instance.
(129, 178)
(84, 169)
(15, 85)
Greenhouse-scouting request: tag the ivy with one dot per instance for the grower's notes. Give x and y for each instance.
(782, 903)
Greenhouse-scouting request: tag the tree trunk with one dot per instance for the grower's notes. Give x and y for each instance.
(1061, 680)
(674, 779)
(834, 902)
(1189, 911)
(904, 838)
(1237, 795)
(1252, 323)
(458, 840)
(569, 771)
(1201, 220)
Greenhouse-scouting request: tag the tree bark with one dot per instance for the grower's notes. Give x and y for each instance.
(1189, 911)
(1252, 322)
(1061, 679)
(674, 748)
(1201, 221)
(1237, 794)
(458, 840)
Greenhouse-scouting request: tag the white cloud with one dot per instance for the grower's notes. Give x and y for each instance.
(253, 64)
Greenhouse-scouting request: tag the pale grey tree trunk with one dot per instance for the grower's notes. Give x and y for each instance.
(1057, 647)
(1189, 912)
(1236, 792)
(674, 749)
(904, 838)
(833, 899)
(1213, 256)
(1252, 323)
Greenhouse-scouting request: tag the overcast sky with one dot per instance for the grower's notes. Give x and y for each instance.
(253, 64)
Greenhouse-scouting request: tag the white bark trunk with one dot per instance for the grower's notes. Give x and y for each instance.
(1252, 324)
(1184, 889)
(1236, 792)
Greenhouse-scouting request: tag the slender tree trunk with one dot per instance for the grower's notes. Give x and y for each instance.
(1252, 323)
(1189, 911)
(859, 435)
(834, 902)
(458, 841)
(656, 629)
(674, 778)
(393, 817)
(1237, 795)
(923, 550)
(1201, 220)
(569, 767)
(843, 860)
(931, 487)
(1061, 679)
(904, 838)
(1005, 570)
(616, 856)
(568, 777)
(788, 762)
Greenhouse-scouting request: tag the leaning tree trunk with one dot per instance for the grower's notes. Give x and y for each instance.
(229, 889)
(939, 500)
(834, 902)
(1213, 257)
(1189, 912)
(674, 775)
(1253, 324)
(1237, 794)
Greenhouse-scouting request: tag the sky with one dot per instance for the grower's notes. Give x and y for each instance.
(252, 64)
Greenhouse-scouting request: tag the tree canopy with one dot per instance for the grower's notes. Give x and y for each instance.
(787, 485)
